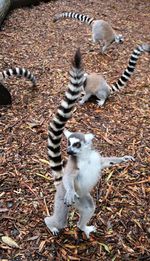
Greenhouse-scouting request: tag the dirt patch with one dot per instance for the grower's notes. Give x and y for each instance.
(30, 39)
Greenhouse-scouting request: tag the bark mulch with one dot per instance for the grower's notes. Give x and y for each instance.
(122, 217)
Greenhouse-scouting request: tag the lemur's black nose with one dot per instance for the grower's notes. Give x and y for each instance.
(70, 152)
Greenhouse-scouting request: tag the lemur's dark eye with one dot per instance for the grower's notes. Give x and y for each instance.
(77, 144)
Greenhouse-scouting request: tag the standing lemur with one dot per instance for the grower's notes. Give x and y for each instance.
(75, 181)
(96, 85)
(5, 97)
(102, 31)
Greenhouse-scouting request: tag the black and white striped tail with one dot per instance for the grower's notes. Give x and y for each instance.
(18, 72)
(82, 18)
(121, 82)
(63, 114)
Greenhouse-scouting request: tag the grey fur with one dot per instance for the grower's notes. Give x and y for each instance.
(102, 31)
(96, 85)
(81, 174)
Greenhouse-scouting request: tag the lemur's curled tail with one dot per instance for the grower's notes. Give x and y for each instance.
(63, 114)
(80, 17)
(121, 82)
(18, 72)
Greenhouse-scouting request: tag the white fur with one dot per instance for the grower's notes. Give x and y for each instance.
(67, 133)
(88, 229)
(89, 137)
(81, 174)
(73, 140)
(89, 165)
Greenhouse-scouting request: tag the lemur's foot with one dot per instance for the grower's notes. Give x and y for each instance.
(88, 229)
(51, 226)
(100, 102)
(128, 158)
(81, 102)
(55, 231)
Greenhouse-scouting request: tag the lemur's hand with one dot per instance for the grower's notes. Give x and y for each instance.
(70, 197)
(81, 102)
(127, 158)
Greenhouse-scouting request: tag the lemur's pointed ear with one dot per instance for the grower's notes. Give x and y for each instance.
(89, 137)
(67, 133)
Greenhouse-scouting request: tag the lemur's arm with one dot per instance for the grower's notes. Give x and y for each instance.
(70, 173)
(68, 180)
(110, 161)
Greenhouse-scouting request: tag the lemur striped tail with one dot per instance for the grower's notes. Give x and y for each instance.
(122, 81)
(82, 18)
(18, 72)
(63, 114)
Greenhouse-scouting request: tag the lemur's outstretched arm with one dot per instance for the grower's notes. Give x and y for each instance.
(110, 161)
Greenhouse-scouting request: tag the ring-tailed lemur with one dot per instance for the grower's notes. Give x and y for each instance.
(96, 85)
(101, 30)
(84, 164)
(5, 97)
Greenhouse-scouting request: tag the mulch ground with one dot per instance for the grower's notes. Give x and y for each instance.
(122, 217)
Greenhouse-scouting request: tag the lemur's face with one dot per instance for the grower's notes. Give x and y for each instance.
(78, 143)
(75, 144)
(119, 38)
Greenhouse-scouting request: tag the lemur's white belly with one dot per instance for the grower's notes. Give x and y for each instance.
(89, 173)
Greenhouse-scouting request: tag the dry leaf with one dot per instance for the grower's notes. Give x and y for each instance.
(74, 258)
(41, 246)
(105, 247)
(44, 161)
(108, 140)
(127, 248)
(9, 241)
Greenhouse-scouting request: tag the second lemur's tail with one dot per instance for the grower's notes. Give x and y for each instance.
(18, 72)
(63, 114)
(82, 18)
(122, 81)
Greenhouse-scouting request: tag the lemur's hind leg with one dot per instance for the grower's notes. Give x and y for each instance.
(94, 38)
(59, 218)
(86, 208)
(101, 98)
(105, 46)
